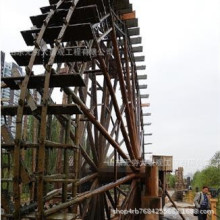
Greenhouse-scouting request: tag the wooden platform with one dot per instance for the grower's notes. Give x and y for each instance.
(128, 9)
(118, 5)
(136, 59)
(134, 40)
(134, 31)
(91, 12)
(132, 23)
(142, 77)
(143, 67)
(37, 82)
(139, 58)
(81, 3)
(65, 5)
(122, 4)
(73, 33)
(137, 49)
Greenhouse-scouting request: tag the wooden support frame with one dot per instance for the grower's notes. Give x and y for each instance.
(102, 128)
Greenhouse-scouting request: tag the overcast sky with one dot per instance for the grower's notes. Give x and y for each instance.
(181, 41)
(182, 46)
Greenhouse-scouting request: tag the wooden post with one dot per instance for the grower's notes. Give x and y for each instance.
(66, 156)
(34, 156)
(213, 208)
(151, 199)
(76, 159)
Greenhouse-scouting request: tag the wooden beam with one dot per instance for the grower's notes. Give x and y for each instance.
(139, 58)
(138, 49)
(145, 105)
(128, 16)
(141, 77)
(132, 23)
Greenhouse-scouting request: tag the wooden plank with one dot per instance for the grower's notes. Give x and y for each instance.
(122, 4)
(132, 23)
(128, 16)
(133, 31)
(145, 105)
(134, 40)
(137, 49)
(37, 81)
(129, 9)
(53, 2)
(83, 3)
(91, 12)
(67, 4)
(147, 114)
(6, 134)
(147, 124)
(49, 144)
(74, 32)
(145, 96)
(142, 86)
(139, 58)
(143, 67)
(25, 177)
(64, 5)
(52, 109)
(141, 77)
(31, 102)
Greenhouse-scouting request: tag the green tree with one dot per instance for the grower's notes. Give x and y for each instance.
(171, 180)
(209, 176)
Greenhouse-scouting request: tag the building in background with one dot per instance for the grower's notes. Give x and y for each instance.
(9, 96)
(2, 62)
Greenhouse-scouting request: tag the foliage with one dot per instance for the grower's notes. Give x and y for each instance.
(210, 176)
(52, 153)
(55, 133)
(171, 180)
(55, 130)
(28, 152)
